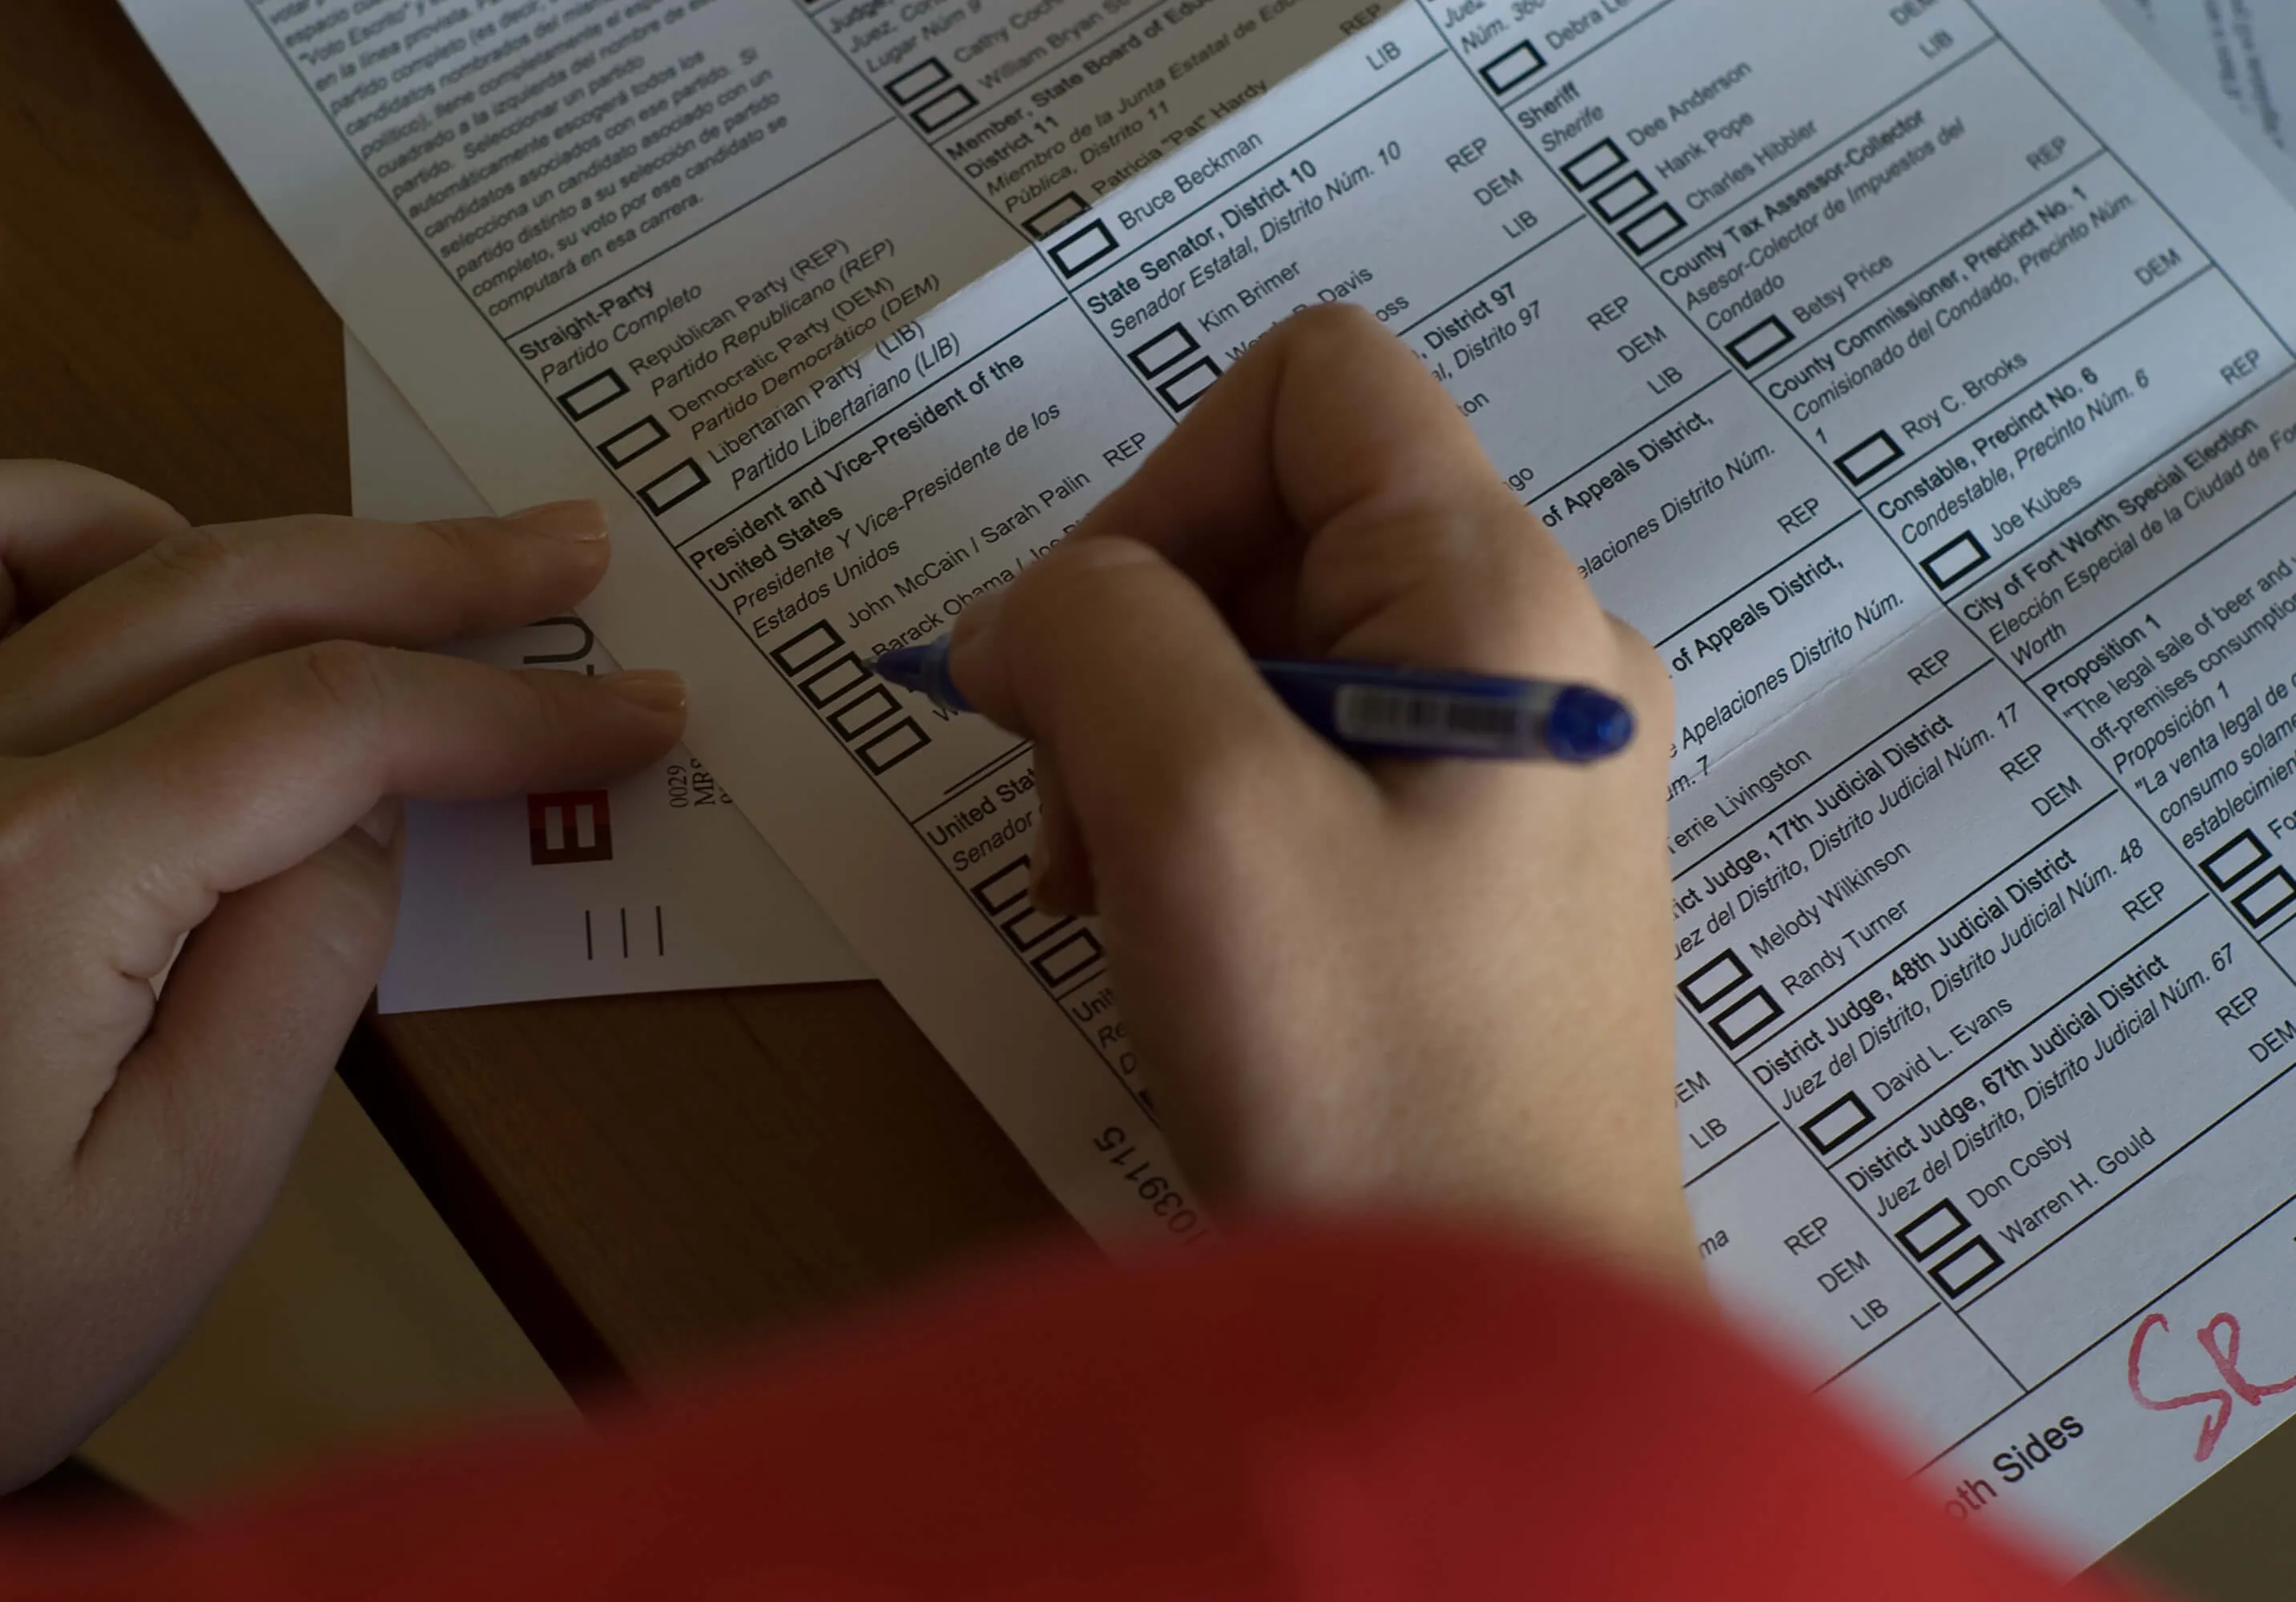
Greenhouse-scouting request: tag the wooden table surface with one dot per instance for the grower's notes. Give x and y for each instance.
(644, 1179)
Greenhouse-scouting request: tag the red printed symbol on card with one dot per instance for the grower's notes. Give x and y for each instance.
(569, 826)
(2219, 1337)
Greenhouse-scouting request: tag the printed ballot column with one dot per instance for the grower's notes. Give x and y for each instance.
(1942, 457)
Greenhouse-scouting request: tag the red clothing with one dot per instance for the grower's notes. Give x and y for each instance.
(1292, 1413)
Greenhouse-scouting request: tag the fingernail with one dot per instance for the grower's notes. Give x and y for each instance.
(576, 522)
(656, 688)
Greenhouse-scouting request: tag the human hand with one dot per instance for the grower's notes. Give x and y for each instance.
(1439, 986)
(205, 733)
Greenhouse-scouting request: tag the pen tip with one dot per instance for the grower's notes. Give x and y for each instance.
(924, 670)
(1585, 725)
(904, 665)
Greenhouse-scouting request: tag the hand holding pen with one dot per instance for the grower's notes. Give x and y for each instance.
(1368, 709)
(1415, 984)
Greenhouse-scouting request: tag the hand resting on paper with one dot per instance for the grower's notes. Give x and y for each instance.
(204, 732)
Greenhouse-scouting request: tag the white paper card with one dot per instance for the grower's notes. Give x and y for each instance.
(656, 883)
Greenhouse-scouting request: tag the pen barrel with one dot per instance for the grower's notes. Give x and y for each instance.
(1368, 709)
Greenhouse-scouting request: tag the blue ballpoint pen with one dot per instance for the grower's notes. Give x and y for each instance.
(1367, 709)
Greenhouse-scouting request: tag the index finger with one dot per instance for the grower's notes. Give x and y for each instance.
(250, 772)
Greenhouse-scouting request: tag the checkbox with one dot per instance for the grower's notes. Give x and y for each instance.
(1593, 164)
(1743, 1020)
(917, 82)
(1714, 981)
(793, 657)
(1760, 342)
(1088, 244)
(1932, 1230)
(893, 747)
(1628, 195)
(681, 483)
(2234, 861)
(1652, 229)
(1072, 956)
(1837, 1121)
(1030, 926)
(1053, 218)
(2267, 898)
(594, 395)
(1869, 456)
(1966, 1267)
(1181, 390)
(1955, 560)
(1512, 68)
(943, 110)
(857, 717)
(1174, 345)
(1003, 889)
(634, 442)
(839, 678)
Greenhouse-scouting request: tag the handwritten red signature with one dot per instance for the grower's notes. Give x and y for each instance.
(2225, 1353)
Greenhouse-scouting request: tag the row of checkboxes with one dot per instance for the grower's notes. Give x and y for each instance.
(856, 704)
(623, 448)
(1724, 998)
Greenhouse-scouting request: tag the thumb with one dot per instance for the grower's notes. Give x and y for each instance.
(1140, 698)
(190, 1148)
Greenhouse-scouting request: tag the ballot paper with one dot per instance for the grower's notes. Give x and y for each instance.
(2238, 59)
(656, 883)
(1917, 372)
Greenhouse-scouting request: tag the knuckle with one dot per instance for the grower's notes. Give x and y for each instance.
(197, 558)
(354, 920)
(465, 569)
(1225, 797)
(552, 705)
(1035, 595)
(1548, 601)
(347, 681)
(465, 543)
(1062, 591)
(1647, 681)
(38, 803)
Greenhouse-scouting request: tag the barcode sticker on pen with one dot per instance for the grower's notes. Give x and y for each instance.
(1424, 717)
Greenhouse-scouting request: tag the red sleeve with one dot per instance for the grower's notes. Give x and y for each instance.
(1293, 1413)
